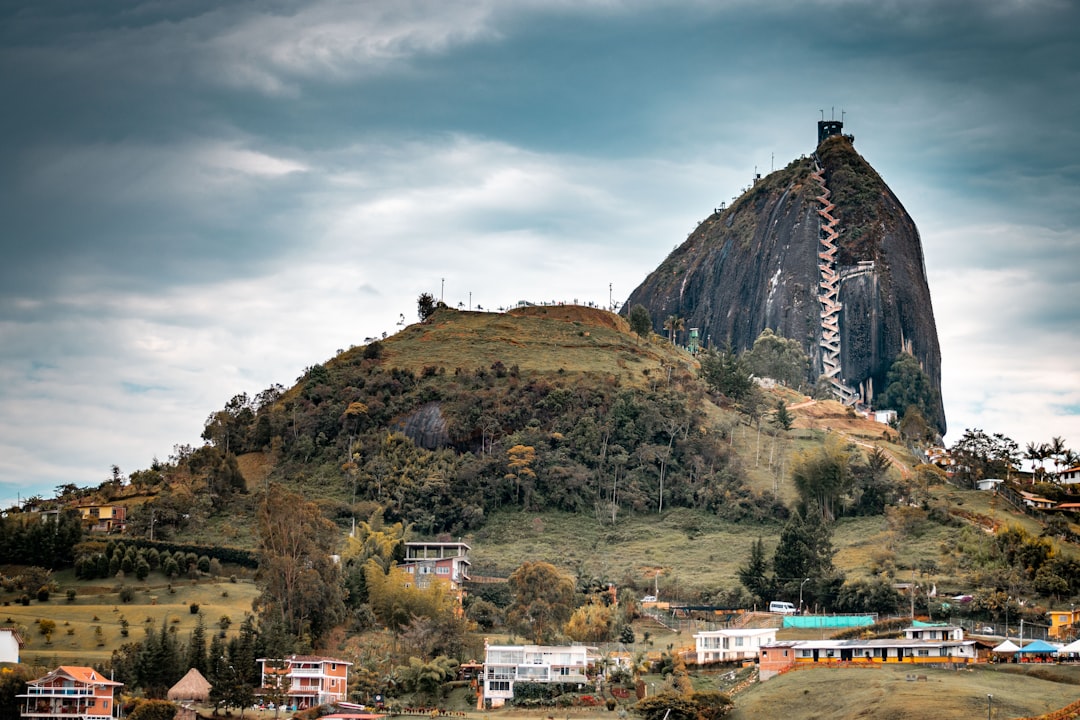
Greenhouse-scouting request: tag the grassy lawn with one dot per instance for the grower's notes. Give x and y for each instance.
(840, 694)
(97, 604)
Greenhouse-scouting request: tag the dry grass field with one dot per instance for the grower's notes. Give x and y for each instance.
(97, 605)
(887, 694)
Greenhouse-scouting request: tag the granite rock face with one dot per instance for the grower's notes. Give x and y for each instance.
(755, 265)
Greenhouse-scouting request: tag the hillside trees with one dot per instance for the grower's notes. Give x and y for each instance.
(590, 434)
(726, 373)
(26, 540)
(300, 582)
(805, 552)
(822, 476)
(980, 456)
(543, 601)
(779, 358)
(907, 385)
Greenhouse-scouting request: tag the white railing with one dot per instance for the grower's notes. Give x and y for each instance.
(58, 691)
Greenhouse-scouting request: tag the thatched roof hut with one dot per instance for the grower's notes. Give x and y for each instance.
(192, 687)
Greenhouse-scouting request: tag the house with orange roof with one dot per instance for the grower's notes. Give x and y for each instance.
(70, 692)
(1069, 476)
(311, 680)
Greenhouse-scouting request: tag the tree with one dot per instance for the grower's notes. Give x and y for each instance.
(640, 321)
(821, 476)
(726, 373)
(299, 580)
(518, 467)
(782, 417)
(590, 623)
(754, 574)
(543, 600)
(979, 456)
(779, 358)
(674, 324)
(396, 597)
(425, 306)
(907, 385)
(804, 552)
(153, 710)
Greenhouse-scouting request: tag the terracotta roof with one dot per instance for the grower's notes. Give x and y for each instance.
(86, 675)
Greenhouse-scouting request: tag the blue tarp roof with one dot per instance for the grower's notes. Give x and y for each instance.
(1038, 646)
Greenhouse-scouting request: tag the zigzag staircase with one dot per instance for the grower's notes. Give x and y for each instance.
(829, 294)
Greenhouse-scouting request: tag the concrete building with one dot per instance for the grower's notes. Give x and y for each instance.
(731, 644)
(505, 665)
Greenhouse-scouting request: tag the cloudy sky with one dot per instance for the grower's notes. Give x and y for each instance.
(202, 198)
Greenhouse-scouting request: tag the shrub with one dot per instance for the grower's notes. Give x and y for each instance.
(43, 594)
(127, 594)
(194, 608)
(71, 595)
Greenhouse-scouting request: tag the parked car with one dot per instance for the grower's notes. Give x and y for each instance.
(784, 608)
(648, 599)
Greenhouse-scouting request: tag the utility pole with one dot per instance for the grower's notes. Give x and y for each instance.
(989, 705)
(442, 289)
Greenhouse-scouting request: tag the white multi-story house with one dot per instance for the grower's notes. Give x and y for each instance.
(1069, 476)
(70, 693)
(505, 665)
(731, 644)
(311, 680)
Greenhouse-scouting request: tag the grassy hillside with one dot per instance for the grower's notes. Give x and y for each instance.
(885, 693)
(98, 604)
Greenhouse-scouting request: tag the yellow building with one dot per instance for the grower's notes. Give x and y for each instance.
(1061, 622)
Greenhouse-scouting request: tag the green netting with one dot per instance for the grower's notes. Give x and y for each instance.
(827, 621)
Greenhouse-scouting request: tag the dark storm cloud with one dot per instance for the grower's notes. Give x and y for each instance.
(193, 189)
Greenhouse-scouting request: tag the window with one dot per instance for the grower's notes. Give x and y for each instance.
(498, 686)
(738, 642)
(333, 666)
(442, 571)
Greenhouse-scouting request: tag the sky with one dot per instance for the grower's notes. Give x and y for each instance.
(200, 198)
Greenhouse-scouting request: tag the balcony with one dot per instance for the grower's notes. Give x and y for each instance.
(41, 691)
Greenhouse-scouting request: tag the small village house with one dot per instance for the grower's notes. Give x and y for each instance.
(445, 562)
(70, 693)
(103, 518)
(920, 644)
(505, 665)
(1069, 476)
(1036, 501)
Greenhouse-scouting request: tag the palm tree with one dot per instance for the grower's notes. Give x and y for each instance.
(674, 324)
(1058, 452)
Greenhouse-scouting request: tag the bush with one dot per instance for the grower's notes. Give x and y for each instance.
(194, 608)
(43, 594)
(127, 594)
(71, 595)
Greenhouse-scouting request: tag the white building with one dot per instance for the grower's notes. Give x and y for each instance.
(731, 644)
(1069, 476)
(10, 642)
(505, 665)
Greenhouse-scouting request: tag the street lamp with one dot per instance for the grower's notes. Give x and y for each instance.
(806, 580)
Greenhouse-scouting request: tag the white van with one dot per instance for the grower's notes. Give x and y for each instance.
(784, 608)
